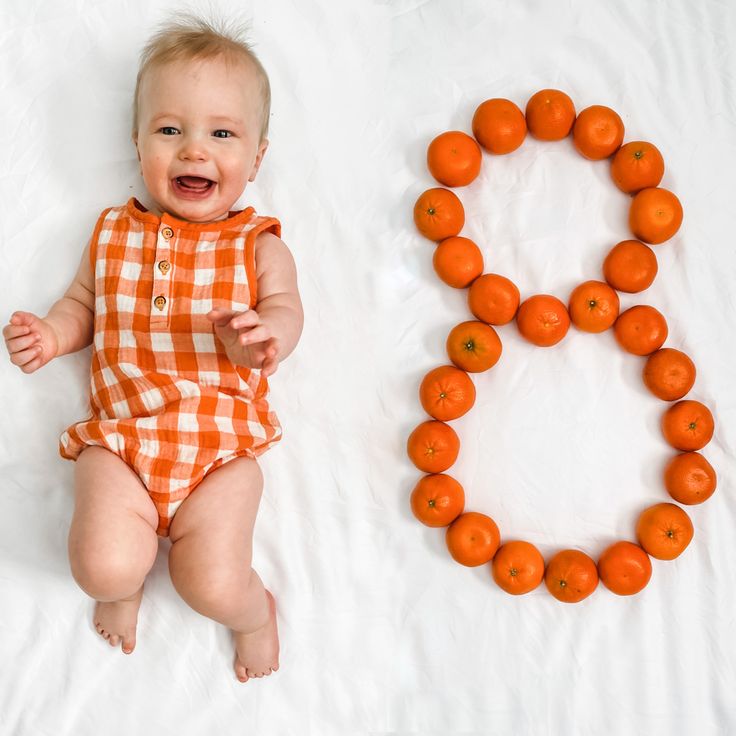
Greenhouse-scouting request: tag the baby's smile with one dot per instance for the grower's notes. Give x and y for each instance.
(192, 187)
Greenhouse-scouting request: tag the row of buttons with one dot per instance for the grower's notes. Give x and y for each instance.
(164, 266)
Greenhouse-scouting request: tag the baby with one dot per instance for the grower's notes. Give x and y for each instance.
(189, 306)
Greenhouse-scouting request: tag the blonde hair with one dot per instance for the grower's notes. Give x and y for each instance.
(188, 37)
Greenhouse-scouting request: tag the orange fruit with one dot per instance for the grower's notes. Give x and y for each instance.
(630, 266)
(473, 346)
(518, 567)
(446, 393)
(655, 215)
(637, 165)
(472, 539)
(454, 158)
(571, 576)
(458, 261)
(433, 446)
(687, 425)
(543, 320)
(493, 299)
(669, 374)
(664, 530)
(439, 214)
(624, 568)
(640, 330)
(550, 115)
(437, 500)
(689, 478)
(499, 126)
(598, 132)
(593, 306)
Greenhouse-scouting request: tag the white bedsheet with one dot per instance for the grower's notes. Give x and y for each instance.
(381, 632)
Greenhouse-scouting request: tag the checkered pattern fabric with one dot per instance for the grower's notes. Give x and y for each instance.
(164, 395)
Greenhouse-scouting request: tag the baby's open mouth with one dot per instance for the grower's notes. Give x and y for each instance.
(194, 183)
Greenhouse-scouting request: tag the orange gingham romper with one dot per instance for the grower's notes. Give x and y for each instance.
(164, 395)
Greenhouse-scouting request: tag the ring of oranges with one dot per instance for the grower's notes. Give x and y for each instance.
(447, 392)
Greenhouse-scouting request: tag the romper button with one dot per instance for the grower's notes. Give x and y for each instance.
(160, 302)
(167, 232)
(164, 267)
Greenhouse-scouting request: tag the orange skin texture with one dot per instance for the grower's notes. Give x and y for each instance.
(655, 215)
(474, 346)
(493, 299)
(433, 446)
(598, 132)
(550, 115)
(640, 330)
(669, 374)
(472, 539)
(543, 320)
(664, 531)
(624, 568)
(630, 266)
(454, 158)
(571, 576)
(593, 306)
(437, 500)
(447, 393)
(636, 166)
(439, 214)
(518, 567)
(687, 425)
(458, 261)
(689, 478)
(499, 126)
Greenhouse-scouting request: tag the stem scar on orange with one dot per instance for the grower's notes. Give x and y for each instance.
(493, 299)
(571, 576)
(655, 215)
(439, 214)
(624, 568)
(472, 539)
(437, 500)
(447, 393)
(433, 446)
(518, 567)
(593, 306)
(689, 478)
(543, 320)
(688, 425)
(454, 158)
(664, 530)
(473, 346)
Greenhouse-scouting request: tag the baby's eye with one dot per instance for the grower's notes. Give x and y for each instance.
(168, 130)
(226, 134)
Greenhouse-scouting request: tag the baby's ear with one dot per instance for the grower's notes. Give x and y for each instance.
(259, 157)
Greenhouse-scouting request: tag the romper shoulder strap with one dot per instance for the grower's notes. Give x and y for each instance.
(94, 239)
(257, 226)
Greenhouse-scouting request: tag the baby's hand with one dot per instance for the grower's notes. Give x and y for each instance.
(246, 339)
(30, 341)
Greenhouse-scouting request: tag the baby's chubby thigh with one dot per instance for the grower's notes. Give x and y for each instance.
(112, 538)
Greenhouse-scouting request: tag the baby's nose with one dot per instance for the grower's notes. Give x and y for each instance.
(193, 149)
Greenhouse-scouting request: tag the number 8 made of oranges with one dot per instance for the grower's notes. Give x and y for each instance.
(447, 392)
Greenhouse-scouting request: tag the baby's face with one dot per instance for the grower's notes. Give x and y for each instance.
(199, 119)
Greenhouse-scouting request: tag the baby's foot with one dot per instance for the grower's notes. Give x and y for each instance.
(117, 620)
(257, 653)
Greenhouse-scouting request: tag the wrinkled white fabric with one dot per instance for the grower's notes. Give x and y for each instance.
(381, 631)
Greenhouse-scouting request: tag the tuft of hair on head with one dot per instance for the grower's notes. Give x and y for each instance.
(186, 36)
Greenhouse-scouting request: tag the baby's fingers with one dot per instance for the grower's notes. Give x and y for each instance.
(27, 360)
(256, 335)
(16, 344)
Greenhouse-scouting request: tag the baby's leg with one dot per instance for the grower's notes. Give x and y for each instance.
(112, 541)
(210, 558)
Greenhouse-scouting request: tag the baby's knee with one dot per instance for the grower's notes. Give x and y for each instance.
(106, 572)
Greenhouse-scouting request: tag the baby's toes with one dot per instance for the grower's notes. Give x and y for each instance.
(114, 640)
(128, 644)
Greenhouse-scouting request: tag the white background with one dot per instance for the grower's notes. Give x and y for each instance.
(381, 631)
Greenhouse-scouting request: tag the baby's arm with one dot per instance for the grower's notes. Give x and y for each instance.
(32, 342)
(263, 336)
